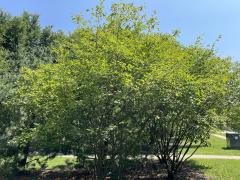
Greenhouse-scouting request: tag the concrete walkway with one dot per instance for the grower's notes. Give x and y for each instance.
(204, 157)
(214, 157)
(219, 136)
(193, 157)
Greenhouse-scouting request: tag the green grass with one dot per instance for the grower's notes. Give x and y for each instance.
(217, 147)
(60, 161)
(218, 169)
(57, 162)
(215, 169)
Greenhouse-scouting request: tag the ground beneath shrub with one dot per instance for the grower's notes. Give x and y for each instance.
(149, 172)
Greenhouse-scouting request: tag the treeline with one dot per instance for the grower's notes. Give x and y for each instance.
(115, 88)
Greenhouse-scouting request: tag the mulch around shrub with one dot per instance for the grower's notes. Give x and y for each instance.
(148, 172)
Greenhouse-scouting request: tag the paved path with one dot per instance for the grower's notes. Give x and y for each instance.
(215, 157)
(219, 136)
(205, 157)
(193, 157)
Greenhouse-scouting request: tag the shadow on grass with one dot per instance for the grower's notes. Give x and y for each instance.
(197, 146)
(134, 169)
(226, 148)
(193, 170)
(195, 166)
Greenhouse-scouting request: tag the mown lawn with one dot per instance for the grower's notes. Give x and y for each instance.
(218, 169)
(57, 162)
(217, 147)
(215, 169)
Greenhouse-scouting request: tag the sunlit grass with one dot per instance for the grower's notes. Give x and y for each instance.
(56, 162)
(217, 146)
(218, 169)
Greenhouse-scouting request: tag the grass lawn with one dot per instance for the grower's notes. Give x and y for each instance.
(60, 161)
(215, 169)
(57, 162)
(218, 169)
(217, 147)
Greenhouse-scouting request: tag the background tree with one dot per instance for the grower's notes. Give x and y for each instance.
(232, 105)
(23, 43)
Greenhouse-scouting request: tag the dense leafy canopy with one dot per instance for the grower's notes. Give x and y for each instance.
(23, 43)
(114, 88)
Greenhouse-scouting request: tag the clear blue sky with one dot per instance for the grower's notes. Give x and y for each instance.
(206, 18)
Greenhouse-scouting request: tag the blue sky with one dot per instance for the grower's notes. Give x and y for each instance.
(206, 18)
